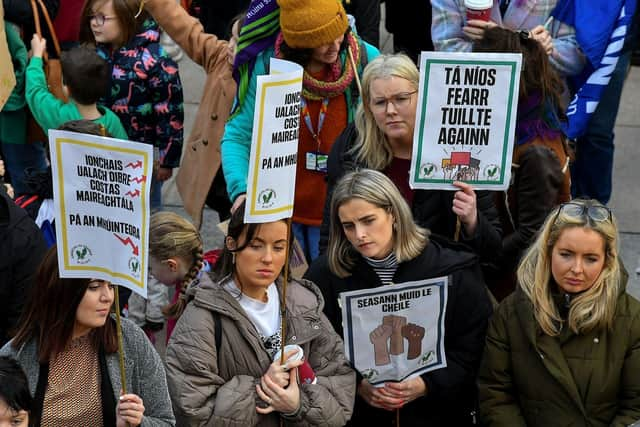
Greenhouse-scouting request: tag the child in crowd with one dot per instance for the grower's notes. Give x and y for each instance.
(200, 178)
(176, 259)
(15, 400)
(85, 77)
(145, 90)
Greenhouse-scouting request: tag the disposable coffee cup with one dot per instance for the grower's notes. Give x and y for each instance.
(305, 373)
(478, 9)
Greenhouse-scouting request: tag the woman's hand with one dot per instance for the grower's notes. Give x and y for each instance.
(378, 398)
(474, 29)
(236, 204)
(280, 399)
(542, 36)
(465, 206)
(407, 390)
(129, 411)
(279, 373)
(38, 46)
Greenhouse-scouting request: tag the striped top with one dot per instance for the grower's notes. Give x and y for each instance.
(385, 268)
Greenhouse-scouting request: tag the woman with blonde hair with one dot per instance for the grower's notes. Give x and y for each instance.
(382, 139)
(374, 242)
(564, 348)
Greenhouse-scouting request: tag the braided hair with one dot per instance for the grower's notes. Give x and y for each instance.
(171, 235)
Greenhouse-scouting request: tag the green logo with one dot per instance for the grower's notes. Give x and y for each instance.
(369, 374)
(427, 170)
(267, 198)
(81, 254)
(492, 172)
(426, 358)
(134, 266)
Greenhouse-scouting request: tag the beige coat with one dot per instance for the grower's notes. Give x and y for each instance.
(211, 388)
(201, 157)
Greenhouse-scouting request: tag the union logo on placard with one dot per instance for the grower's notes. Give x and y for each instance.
(428, 170)
(134, 266)
(267, 198)
(81, 254)
(492, 172)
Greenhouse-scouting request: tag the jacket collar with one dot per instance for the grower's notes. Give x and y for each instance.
(303, 309)
(548, 349)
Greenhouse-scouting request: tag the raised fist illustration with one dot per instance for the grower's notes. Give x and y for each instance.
(379, 337)
(414, 334)
(397, 342)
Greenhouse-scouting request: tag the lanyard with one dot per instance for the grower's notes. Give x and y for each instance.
(321, 116)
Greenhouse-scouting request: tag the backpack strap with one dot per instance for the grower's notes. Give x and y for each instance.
(217, 330)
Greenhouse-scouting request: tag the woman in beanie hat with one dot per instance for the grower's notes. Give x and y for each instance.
(316, 35)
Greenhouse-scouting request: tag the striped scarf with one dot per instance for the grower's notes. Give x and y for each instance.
(339, 78)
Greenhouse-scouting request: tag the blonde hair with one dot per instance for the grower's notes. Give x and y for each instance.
(372, 149)
(170, 235)
(592, 309)
(375, 188)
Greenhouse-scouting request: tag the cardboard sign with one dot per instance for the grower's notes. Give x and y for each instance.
(395, 332)
(101, 195)
(274, 148)
(7, 76)
(465, 120)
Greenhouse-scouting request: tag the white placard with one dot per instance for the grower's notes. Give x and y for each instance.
(396, 331)
(101, 196)
(465, 120)
(274, 146)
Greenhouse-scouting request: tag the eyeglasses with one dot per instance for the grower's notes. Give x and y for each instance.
(598, 213)
(400, 101)
(100, 18)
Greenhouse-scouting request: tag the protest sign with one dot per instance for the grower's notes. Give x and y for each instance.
(101, 196)
(394, 332)
(465, 120)
(274, 147)
(7, 76)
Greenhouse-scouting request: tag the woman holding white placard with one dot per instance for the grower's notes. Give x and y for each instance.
(373, 242)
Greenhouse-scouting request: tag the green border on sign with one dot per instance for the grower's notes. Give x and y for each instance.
(428, 63)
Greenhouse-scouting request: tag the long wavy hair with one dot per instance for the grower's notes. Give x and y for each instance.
(375, 188)
(372, 149)
(594, 308)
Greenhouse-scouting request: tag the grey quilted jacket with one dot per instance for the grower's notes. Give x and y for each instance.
(216, 387)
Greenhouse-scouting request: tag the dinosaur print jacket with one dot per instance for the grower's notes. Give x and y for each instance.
(146, 93)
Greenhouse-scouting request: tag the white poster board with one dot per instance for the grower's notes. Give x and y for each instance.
(101, 196)
(396, 331)
(465, 120)
(274, 146)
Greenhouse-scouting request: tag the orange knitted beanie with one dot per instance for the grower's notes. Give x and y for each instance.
(312, 23)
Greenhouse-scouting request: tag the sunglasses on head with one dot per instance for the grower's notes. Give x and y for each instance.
(597, 213)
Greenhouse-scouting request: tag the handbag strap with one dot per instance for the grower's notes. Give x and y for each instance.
(36, 18)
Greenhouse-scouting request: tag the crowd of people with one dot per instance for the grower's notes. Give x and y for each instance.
(538, 327)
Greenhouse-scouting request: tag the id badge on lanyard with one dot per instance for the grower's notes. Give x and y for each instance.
(316, 161)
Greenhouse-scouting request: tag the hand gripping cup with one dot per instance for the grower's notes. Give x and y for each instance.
(305, 373)
(478, 9)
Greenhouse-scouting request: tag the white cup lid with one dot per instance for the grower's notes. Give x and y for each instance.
(478, 4)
